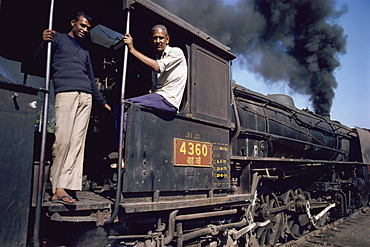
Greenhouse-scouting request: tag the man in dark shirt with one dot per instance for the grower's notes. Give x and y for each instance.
(74, 86)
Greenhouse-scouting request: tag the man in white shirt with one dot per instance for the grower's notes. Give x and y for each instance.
(169, 72)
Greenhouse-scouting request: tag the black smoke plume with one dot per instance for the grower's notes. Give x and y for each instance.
(296, 41)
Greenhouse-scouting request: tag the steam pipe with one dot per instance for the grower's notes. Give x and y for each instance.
(172, 219)
(277, 137)
(122, 113)
(213, 229)
(171, 227)
(197, 233)
(206, 214)
(40, 181)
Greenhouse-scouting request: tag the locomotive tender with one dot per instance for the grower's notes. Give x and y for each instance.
(232, 168)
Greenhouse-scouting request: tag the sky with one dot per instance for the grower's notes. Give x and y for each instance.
(351, 105)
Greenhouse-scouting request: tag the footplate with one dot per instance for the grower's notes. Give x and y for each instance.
(89, 207)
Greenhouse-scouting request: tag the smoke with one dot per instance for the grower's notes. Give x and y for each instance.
(295, 41)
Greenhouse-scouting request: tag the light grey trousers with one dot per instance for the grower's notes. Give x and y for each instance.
(72, 115)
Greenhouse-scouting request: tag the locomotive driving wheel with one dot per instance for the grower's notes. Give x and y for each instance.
(269, 234)
(297, 220)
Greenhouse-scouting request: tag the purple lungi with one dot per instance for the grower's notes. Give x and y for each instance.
(154, 101)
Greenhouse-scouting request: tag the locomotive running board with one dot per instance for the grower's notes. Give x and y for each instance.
(171, 205)
(268, 159)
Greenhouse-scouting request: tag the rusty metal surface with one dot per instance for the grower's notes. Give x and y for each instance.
(364, 135)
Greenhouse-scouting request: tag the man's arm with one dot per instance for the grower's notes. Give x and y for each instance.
(149, 62)
(40, 53)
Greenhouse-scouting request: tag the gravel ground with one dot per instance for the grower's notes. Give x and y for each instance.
(352, 231)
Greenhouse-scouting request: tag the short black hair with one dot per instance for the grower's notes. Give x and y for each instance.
(81, 13)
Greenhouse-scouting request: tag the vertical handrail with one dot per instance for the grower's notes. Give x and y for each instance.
(121, 137)
(40, 183)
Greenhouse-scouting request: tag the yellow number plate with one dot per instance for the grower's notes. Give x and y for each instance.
(192, 153)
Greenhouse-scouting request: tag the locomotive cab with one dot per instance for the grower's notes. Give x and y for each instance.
(160, 148)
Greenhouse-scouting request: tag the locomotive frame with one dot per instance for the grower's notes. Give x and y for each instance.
(232, 168)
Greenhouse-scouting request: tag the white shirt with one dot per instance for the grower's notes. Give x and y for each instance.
(170, 82)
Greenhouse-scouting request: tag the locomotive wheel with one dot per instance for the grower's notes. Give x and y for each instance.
(297, 219)
(269, 235)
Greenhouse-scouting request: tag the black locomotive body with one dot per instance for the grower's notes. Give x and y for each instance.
(232, 168)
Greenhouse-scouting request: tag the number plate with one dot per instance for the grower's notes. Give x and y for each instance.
(192, 153)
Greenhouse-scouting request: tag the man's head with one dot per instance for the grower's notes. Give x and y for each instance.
(159, 38)
(81, 25)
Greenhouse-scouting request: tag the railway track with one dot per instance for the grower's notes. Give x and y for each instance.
(350, 231)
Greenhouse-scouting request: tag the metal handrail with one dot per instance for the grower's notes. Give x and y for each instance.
(121, 129)
(40, 183)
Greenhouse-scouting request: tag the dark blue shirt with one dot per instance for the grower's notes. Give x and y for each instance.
(72, 70)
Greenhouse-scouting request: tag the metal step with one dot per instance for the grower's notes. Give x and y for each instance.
(90, 207)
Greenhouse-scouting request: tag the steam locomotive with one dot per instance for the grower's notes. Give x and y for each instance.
(232, 168)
